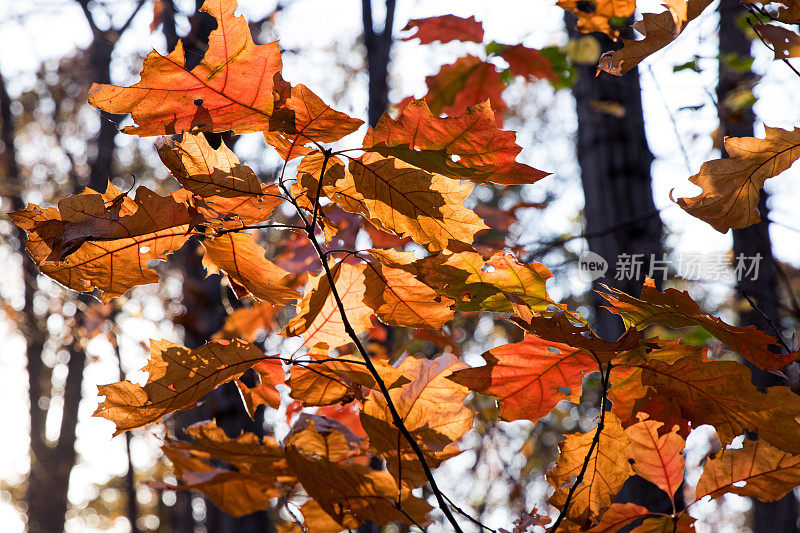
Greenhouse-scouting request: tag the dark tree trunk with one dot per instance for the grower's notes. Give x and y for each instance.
(750, 242)
(619, 212)
(378, 45)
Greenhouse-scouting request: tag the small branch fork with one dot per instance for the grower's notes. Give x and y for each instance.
(604, 377)
(755, 10)
(397, 420)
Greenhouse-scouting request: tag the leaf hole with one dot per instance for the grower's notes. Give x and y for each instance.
(144, 249)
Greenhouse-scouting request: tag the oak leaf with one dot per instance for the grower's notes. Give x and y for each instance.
(445, 28)
(408, 201)
(352, 493)
(177, 379)
(469, 146)
(247, 322)
(731, 185)
(682, 523)
(615, 518)
(226, 192)
(270, 373)
(659, 30)
(656, 458)
(676, 309)
(605, 473)
(757, 469)
(230, 89)
(250, 273)
(466, 82)
(318, 319)
(528, 62)
(530, 377)
(431, 408)
(106, 240)
(785, 43)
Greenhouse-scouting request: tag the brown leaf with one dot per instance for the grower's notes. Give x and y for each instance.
(432, 409)
(731, 185)
(401, 198)
(785, 43)
(469, 146)
(616, 518)
(250, 273)
(599, 16)
(604, 477)
(757, 470)
(530, 377)
(676, 309)
(246, 322)
(659, 30)
(177, 378)
(353, 493)
(226, 192)
(104, 241)
(270, 373)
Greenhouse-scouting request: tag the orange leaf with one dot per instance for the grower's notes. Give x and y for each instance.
(757, 470)
(530, 377)
(230, 89)
(432, 409)
(352, 493)
(225, 192)
(466, 82)
(445, 28)
(398, 197)
(270, 373)
(104, 241)
(246, 322)
(731, 185)
(599, 16)
(318, 319)
(469, 146)
(676, 309)
(528, 62)
(242, 259)
(658, 459)
(177, 379)
(400, 299)
(604, 477)
(616, 518)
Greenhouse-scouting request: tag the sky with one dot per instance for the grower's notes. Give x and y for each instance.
(322, 33)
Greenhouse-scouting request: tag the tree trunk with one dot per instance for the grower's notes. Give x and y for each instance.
(378, 46)
(619, 210)
(753, 241)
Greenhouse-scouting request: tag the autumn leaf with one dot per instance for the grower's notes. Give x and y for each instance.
(785, 43)
(676, 309)
(720, 393)
(604, 476)
(250, 273)
(528, 63)
(530, 377)
(601, 15)
(230, 89)
(307, 185)
(400, 299)
(352, 493)
(757, 469)
(445, 28)
(270, 373)
(615, 518)
(408, 201)
(659, 30)
(469, 146)
(731, 185)
(682, 523)
(656, 458)
(246, 322)
(475, 284)
(226, 192)
(177, 379)
(236, 493)
(104, 241)
(431, 408)
(466, 82)
(318, 319)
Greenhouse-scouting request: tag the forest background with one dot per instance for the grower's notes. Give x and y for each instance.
(46, 71)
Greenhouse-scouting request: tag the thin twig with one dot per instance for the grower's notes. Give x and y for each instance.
(772, 325)
(326, 156)
(468, 516)
(752, 10)
(600, 425)
(397, 420)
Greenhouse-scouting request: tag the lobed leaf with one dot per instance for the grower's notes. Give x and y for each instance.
(445, 28)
